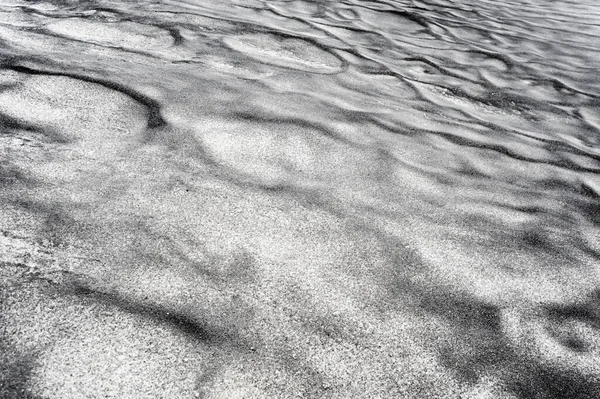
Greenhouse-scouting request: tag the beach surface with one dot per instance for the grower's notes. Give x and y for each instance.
(312, 199)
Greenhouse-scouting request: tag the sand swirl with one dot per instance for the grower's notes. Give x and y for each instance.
(562, 341)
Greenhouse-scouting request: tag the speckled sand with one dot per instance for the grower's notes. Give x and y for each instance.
(315, 199)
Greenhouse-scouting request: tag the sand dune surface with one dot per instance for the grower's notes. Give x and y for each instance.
(318, 199)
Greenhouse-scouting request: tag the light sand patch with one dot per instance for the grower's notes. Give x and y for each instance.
(88, 129)
(16, 18)
(591, 116)
(127, 35)
(390, 22)
(77, 342)
(229, 67)
(282, 153)
(74, 109)
(286, 52)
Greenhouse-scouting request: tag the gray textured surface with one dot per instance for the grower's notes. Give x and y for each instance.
(320, 199)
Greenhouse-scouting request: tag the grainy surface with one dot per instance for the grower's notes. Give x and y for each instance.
(319, 199)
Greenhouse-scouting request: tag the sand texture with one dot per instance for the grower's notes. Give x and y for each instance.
(299, 199)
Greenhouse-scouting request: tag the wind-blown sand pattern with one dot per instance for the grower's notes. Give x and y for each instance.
(318, 199)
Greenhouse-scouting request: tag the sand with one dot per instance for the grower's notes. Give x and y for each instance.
(318, 199)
